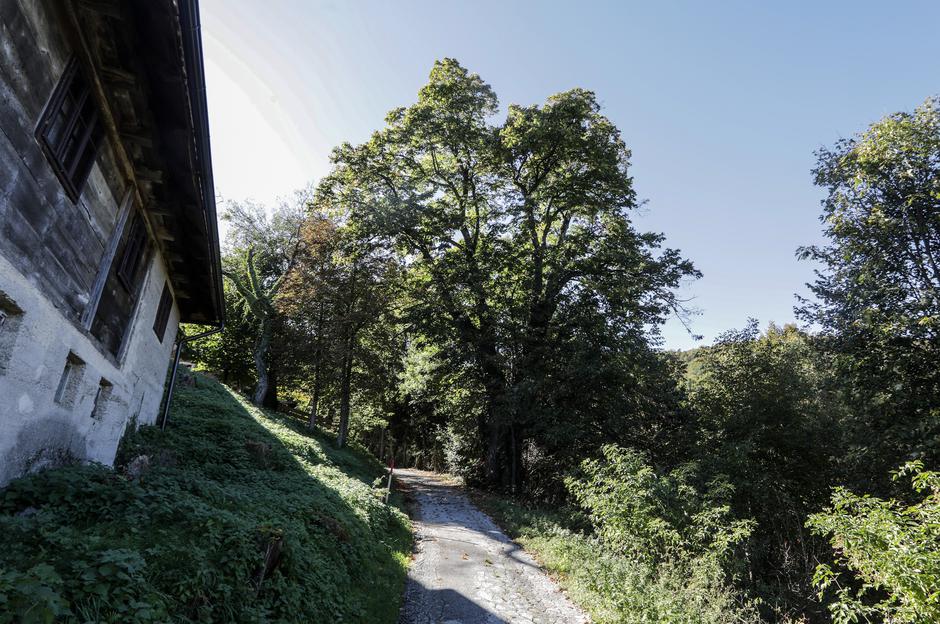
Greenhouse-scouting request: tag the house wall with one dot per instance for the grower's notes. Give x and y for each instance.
(35, 430)
(50, 251)
(42, 232)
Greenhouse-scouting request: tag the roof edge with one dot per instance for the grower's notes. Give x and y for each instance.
(191, 34)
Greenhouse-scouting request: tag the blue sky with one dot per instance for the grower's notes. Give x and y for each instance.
(722, 105)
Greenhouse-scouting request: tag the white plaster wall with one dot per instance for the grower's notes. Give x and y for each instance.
(35, 431)
(144, 356)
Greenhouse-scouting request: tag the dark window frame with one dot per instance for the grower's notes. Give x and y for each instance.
(70, 130)
(163, 312)
(135, 247)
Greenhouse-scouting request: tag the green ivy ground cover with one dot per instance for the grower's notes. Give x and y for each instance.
(237, 515)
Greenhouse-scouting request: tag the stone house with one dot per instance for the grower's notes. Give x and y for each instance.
(108, 234)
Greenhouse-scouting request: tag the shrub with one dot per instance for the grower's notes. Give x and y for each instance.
(647, 547)
(653, 517)
(890, 550)
(616, 588)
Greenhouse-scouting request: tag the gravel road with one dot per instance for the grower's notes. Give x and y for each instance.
(466, 571)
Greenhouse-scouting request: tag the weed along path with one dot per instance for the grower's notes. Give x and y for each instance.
(466, 571)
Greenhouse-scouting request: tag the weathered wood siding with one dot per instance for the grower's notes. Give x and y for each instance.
(44, 234)
(51, 252)
(117, 300)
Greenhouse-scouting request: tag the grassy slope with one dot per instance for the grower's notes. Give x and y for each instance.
(187, 541)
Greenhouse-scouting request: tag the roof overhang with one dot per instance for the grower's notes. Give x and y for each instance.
(148, 61)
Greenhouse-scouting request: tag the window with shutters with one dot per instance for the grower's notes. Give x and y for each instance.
(70, 130)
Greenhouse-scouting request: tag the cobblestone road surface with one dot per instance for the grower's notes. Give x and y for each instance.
(466, 571)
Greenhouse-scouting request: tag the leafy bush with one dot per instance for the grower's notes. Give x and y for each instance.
(770, 423)
(654, 517)
(891, 549)
(235, 515)
(644, 548)
(613, 587)
(626, 591)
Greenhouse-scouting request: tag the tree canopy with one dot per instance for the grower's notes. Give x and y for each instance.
(467, 291)
(516, 236)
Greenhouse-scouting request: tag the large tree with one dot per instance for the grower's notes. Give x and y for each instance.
(307, 302)
(511, 234)
(260, 250)
(338, 289)
(878, 293)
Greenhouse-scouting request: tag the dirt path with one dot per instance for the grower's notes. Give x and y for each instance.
(466, 571)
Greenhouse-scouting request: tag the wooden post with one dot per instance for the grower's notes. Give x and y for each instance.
(391, 469)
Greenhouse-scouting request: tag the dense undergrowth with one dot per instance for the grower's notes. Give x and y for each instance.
(235, 515)
(625, 561)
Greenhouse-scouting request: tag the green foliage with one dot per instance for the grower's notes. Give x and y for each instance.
(890, 549)
(768, 423)
(260, 251)
(652, 517)
(519, 250)
(444, 404)
(228, 354)
(242, 516)
(884, 228)
(33, 595)
(878, 295)
(618, 589)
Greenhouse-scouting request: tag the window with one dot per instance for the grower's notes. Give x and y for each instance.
(100, 405)
(123, 286)
(70, 130)
(10, 317)
(70, 380)
(163, 312)
(133, 254)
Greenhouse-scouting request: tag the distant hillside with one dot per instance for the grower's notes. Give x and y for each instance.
(691, 359)
(232, 515)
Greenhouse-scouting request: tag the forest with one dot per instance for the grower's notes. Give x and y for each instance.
(470, 294)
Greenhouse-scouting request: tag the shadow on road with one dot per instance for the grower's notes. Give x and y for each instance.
(443, 606)
(466, 570)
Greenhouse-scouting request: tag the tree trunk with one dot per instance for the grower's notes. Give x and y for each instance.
(513, 459)
(345, 386)
(261, 365)
(315, 400)
(494, 452)
(351, 329)
(493, 430)
(270, 397)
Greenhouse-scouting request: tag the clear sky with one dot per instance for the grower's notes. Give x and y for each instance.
(722, 104)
